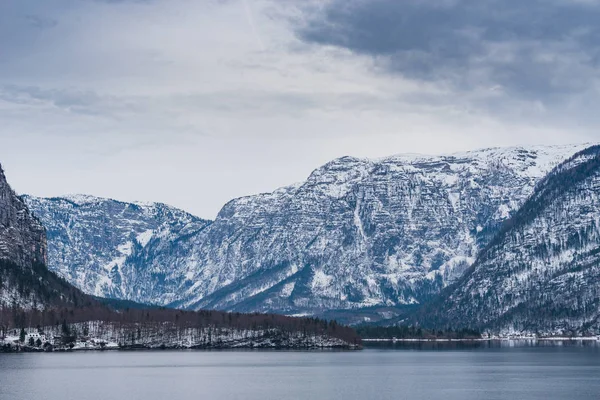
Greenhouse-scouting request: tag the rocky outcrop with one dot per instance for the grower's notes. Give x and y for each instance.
(22, 236)
(25, 281)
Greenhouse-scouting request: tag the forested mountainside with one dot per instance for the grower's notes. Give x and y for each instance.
(357, 233)
(36, 287)
(541, 273)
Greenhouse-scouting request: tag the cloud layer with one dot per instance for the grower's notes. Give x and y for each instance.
(545, 53)
(533, 48)
(194, 102)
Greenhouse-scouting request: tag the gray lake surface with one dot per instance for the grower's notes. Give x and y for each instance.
(508, 371)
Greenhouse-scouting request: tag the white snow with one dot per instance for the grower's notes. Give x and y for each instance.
(144, 237)
(288, 288)
(320, 280)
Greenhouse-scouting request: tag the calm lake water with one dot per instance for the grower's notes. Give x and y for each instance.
(403, 372)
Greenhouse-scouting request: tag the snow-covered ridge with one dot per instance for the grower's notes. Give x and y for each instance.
(546, 155)
(492, 152)
(83, 199)
(80, 199)
(543, 159)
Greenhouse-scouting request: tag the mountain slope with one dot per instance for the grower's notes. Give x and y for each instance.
(99, 244)
(362, 233)
(541, 274)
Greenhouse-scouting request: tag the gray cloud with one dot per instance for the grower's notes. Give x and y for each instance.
(534, 49)
(75, 102)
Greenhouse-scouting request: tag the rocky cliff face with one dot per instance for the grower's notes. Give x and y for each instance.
(541, 274)
(358, 233)
(25, 282)
(22, 236)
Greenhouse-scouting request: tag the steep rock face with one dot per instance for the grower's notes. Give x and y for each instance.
(22, 236)
(96, 243)
(541, 274)
(25, 282)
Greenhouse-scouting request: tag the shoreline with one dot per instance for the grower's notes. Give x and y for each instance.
(25, 349)
(495, 339)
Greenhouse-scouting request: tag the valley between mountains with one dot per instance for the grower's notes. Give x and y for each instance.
(360, 240)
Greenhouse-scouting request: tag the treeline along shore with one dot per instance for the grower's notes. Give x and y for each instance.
(98, 327)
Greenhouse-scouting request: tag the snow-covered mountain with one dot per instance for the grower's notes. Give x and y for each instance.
(99, 244)
(361, 233)
(357, 233)
(541, 274)
(86, 228)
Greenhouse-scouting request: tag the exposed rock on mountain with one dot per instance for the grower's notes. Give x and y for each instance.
(357, 233)
(22, 236)
(361, 233)
(25, 282)
(100, 245)
(541, 273)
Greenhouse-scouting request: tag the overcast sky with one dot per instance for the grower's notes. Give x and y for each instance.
(195, 102)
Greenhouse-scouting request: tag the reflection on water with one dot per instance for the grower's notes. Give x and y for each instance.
(461, 371)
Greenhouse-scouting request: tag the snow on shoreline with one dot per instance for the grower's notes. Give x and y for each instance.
(98, 335)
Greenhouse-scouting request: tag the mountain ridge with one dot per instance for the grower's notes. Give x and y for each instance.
(357, 233)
